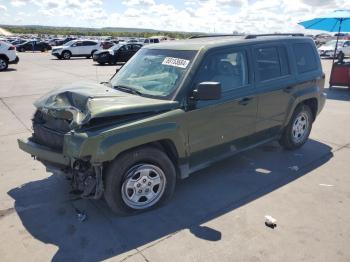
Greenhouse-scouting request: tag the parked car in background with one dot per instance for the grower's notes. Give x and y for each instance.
(76, 48)
(53, 42)
(18, 42)
(155, 39)
(60, 42)
(8, 55)
(327, 50)
(106, 44)
(33, 46)
(133, 40)
(117, 54)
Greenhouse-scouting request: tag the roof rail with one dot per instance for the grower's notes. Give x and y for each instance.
(286, 34)
(218, 35)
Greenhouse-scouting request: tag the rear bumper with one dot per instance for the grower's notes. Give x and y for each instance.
(14, 61)
(43, 153)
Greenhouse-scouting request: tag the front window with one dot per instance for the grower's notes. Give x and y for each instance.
(69, 43)
(154, 72)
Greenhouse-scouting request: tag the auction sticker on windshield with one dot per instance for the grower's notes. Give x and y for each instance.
(178, 62)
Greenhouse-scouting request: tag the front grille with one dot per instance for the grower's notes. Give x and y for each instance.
(49, 131)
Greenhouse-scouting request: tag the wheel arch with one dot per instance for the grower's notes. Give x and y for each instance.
(65, 51)
(165, 145)
(308, 99)
(4, 57)
(313, 104)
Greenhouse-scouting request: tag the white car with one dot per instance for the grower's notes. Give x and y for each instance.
(327, 50)
(8, 55)
(76, 48)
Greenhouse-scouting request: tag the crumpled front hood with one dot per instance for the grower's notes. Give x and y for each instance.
(83, 101)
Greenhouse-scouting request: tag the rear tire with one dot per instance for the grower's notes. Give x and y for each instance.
(297, 132)
(3, 64)
(131, 184)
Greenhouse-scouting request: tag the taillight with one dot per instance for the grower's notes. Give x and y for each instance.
(12, 48)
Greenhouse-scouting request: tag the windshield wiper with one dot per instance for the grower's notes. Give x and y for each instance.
(128, 90)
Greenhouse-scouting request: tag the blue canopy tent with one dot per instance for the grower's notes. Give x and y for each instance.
(337, 21)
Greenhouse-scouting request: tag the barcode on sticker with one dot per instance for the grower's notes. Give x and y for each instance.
(178, 62)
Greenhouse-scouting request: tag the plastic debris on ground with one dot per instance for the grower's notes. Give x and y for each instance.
(270, 221)
(326, 185)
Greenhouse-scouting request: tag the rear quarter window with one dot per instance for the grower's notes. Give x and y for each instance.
(305, 58)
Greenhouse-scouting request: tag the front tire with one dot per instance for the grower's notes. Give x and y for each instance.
(3, 64)
(139, 180)
(66, 55)
(297, 132)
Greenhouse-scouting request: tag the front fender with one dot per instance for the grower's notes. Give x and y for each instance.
(111, 146)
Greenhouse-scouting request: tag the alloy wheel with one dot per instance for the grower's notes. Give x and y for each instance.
(300, 127)
(144, 186)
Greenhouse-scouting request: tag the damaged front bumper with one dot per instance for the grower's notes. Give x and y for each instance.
(86, 177)
(43, 153)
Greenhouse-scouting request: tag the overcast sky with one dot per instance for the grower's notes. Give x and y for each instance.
(190, 15)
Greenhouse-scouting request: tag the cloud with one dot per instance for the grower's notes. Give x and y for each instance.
(19, 3)
(3, 8)
(226, 16)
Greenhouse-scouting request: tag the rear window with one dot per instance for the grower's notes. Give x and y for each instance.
(305, 58)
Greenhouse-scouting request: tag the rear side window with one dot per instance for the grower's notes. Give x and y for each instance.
(89, 43)
(305, 58)
(271, 62)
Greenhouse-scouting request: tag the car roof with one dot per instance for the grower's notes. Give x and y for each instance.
(221, 41)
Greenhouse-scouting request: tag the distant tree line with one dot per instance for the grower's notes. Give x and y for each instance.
(90, 32)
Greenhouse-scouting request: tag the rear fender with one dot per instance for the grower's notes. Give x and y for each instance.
(300, 96)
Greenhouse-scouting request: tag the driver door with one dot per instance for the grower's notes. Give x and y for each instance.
(219, 128)
(77, 48)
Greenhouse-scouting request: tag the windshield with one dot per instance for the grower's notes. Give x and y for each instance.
(69, 43)
(154, 72)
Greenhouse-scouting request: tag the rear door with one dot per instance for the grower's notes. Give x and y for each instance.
(218, 128)
(88, 47)
(275, 84)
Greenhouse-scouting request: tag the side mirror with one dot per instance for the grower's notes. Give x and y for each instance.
(207, 91)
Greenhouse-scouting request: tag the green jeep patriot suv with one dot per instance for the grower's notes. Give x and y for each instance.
(175, 108)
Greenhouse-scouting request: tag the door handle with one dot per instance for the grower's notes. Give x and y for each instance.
(288, 89)
(245, 101)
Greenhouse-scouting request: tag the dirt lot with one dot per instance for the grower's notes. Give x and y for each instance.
(216, 215)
